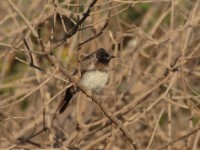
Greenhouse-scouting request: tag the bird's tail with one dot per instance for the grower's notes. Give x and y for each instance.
(70, 92)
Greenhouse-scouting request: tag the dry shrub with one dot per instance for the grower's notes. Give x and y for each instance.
(152, 97)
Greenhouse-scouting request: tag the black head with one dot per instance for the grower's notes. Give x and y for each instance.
(103, 56)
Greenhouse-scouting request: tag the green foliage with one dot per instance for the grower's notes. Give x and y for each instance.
(195, 120)
(6, 90)
(163, 119)
(133, 14)
(16, 71)
(24, 105)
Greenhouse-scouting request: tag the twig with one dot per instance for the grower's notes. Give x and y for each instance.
(34, 90)
(96, 35)
(76, 27)
(31, 57)
(178, 139)
(156, 126)
(23, 17)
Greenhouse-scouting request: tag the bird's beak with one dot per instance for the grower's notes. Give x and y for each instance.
(112, 57)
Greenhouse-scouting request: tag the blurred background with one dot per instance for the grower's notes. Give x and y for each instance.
(153, 88)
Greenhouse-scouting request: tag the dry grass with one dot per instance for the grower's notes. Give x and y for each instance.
(152, 99)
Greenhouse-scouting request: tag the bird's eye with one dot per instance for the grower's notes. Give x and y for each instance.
(105, 56)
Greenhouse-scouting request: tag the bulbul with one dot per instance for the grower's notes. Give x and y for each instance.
(94, 70)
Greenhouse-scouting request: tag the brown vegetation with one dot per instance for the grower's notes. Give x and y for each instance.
(152, 98)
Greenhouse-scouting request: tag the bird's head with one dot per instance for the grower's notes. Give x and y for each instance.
(103, 56)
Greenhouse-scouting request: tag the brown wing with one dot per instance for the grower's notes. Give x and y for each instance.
(87, 63)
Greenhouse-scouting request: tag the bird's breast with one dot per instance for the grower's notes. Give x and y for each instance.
(95, 80)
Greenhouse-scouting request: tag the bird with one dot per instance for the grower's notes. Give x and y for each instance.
(94, 75)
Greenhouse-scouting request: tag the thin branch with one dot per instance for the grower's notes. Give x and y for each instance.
(31, 57)
(23, 17)
(98, 34)
(78, 24)
(179, 139)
